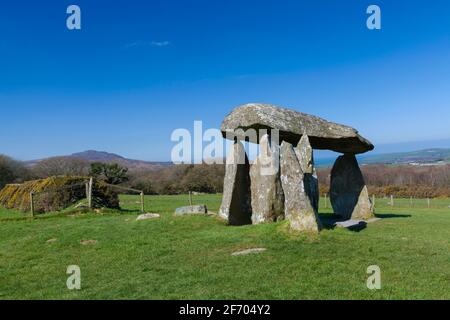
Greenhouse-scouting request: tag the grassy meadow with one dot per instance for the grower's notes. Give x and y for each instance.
(190, 257)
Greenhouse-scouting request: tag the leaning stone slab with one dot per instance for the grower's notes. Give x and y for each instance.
(298, 208)
(249, 251)
(148, 216)
(198, 209)
(349, 223)
(348, 191)
(292, 125)
(266, 190)
(236, 200)
(354, 223)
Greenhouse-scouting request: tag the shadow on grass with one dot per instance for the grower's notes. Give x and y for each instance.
(391, 215)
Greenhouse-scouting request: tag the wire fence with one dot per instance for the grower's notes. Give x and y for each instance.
(132, 191)
(87, 186)
(77, 189)
(393, 202)
(76, 192)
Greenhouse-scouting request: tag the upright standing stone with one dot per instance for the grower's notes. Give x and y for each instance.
(305, 155)
(298, 208)
(266, 190)
(348, 192)
(236, 206)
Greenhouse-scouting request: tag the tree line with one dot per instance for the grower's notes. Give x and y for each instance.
(400, 180)
(382, 180)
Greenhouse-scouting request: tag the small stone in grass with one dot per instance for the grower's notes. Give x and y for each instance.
(198, 209)
(147, 216)
(249, 251)
(52, 240)
(87, 242)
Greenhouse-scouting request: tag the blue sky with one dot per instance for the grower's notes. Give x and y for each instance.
(137, 70)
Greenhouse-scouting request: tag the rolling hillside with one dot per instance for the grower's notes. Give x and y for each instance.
(434, 156)
(420, 157)
(101, 156)
(430, 156)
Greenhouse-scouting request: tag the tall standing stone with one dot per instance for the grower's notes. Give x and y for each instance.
(348, 192)
(266, 190)
(236, 201)
(305, 155)
(298, 208)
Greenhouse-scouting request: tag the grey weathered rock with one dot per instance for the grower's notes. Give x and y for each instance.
(350, 223)
(298, 208)
(292, 125)
(236, 201)
(148, 216)
(348, 192)
(305, 156)
(266, 190)
(354, 223)
(198, 209)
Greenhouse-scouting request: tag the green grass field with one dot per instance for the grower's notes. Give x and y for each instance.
(190, 257)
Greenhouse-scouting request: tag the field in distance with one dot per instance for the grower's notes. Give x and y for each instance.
(190, 257)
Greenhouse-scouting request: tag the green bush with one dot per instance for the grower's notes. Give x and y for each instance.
(56, 193)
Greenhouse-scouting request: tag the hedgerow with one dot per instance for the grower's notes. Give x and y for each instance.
(56, 193)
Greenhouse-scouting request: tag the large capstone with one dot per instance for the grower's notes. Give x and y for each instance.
(236, 201)
(291, 125)
(305, 155)
(348, 192)
(298, 208)
(266, 190)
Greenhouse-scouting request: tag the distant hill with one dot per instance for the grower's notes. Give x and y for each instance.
(432, 156)
(101, 156)
(421, 157)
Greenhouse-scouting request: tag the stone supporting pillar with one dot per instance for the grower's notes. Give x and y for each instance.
(236, 206)
(299, 209)
(348, 191)
(266, 190)
(305, 155)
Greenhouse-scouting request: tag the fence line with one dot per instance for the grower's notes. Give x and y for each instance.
(141, 193)
(397, 202)
(89, 185)
(33, 194)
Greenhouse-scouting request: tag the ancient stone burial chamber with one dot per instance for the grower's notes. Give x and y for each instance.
(282, 182)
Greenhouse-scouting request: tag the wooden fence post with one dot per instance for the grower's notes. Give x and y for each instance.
(87, 190)
(411, 201)
(373, 201)
(428, 202)
(142, 202)
(326, 201)
(190, 198)
(32, 204)
(392, 200)
(91, 184)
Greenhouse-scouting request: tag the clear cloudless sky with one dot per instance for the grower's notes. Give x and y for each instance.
(137, 70)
